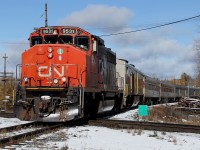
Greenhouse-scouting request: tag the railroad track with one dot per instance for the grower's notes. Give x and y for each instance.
(122, 124)
(7, 115)
(19, 133)
(16, 127)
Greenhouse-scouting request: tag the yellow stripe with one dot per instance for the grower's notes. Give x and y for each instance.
(143, 82)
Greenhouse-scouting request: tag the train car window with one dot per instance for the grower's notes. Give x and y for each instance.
(36, 40)
(82, 42)
(63, 39)
(50, 39)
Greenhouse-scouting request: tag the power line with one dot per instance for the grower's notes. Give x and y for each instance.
(153, 27)
(127, 32)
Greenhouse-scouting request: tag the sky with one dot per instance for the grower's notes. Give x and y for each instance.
(164, 52)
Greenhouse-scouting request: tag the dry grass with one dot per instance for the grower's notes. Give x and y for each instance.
(65, 147)
(3, 132)
(155, 134)
(139, 132)
(169, 114)
(129, 130)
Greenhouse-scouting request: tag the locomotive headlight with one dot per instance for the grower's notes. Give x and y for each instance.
(50, 55)
(50, 49)
(25, 79)
(55, 81)
(63, 79)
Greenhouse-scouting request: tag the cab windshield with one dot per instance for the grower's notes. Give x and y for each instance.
(80, 41)
(63, 39)
(50, 39)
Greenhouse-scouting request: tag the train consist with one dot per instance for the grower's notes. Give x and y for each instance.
(140, 88)
(68, 73)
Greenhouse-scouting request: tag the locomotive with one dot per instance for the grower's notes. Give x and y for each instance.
(68, 73)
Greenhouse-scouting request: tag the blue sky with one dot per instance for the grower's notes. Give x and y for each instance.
(165, 52)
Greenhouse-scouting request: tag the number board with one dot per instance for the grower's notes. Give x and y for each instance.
(68, 31)
(47, 31)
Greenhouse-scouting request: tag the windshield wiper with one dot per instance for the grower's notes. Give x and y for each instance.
(62, 40)
(45, 41)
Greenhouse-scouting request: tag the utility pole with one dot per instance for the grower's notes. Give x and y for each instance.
(4, 75)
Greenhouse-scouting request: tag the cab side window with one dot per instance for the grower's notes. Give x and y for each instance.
(36, 40)
(82, 42)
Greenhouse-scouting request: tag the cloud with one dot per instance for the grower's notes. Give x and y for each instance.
(156, 52)
(164, 58)
(105, 18)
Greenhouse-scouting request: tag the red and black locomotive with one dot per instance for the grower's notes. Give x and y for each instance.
(66, 73)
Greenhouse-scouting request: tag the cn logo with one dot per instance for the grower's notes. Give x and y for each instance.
(48, 73)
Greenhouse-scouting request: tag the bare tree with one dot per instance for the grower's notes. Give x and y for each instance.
(186, 79)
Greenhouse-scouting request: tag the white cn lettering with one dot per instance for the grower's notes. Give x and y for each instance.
(42, 74)
(49, 72)
(58, 73)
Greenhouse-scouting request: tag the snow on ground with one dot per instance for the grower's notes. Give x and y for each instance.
(101, 138)
(6, 122)
(129, 115)
(110, 139)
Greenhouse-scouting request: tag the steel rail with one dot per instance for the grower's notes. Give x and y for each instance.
(17, 127)
(7, 115)
(167, 127)
(28, 135)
